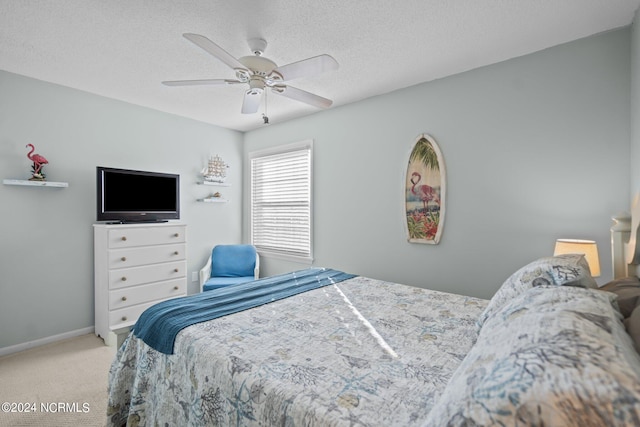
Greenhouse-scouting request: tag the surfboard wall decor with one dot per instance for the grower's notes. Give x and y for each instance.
(425, 191)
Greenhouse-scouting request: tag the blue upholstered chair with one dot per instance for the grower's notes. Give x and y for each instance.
(228, 265)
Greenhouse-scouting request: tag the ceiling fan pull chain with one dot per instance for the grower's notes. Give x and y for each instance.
(265, 117)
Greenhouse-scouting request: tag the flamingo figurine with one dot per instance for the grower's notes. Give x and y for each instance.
(38, 161)
(426, 193)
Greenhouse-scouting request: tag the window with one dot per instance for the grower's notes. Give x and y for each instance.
(281, 201)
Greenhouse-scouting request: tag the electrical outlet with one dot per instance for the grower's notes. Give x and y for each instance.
(194, 276)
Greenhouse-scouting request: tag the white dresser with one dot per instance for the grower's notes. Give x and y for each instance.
(136, 266)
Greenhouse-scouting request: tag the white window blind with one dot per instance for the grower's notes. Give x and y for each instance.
(281, 201)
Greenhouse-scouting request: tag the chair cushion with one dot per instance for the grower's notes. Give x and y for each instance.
(221, 282)
(233, 261)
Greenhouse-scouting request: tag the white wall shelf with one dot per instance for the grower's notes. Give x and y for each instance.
(28, 183)
(215, 184)
(213, 200)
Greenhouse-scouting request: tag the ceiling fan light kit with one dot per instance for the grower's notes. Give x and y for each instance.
(260, 72)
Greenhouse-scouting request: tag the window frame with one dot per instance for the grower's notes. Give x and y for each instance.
(283, 149)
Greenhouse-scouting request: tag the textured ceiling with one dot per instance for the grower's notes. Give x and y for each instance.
(123, 49)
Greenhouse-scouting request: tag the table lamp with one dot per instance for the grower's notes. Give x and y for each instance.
(586, 247)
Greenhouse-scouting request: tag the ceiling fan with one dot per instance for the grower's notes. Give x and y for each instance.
(261, 73)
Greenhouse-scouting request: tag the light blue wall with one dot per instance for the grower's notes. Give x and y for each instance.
(536, 148)
(46, 254)
(635, 105)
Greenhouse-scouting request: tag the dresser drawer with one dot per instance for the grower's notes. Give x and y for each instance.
(128, 316)
(125, 297)
(124, 277)
(143, 236)
(123, 258)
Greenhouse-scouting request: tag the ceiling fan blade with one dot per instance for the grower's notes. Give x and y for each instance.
(214, 50)
(302, 96)
(251, 102)
(200, 82)
(307, 67)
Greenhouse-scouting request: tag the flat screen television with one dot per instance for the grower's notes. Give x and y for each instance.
(137, 196)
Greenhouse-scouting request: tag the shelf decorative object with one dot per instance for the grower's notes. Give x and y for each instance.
(215, 171)
(38, 162)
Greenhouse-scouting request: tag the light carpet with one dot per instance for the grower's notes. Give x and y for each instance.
(60, 384)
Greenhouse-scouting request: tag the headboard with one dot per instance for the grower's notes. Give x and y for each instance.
(625, 242)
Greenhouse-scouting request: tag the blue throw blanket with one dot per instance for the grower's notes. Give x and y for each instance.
(158, 325)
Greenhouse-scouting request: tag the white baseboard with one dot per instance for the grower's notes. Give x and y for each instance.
(46, 340)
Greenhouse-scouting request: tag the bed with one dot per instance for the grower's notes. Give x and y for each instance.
(549, 349)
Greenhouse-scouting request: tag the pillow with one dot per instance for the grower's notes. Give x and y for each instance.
(632, 325)
(628, 291)
(560, 270)
(553, 356)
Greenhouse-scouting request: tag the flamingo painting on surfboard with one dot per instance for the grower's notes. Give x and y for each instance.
(425, 186)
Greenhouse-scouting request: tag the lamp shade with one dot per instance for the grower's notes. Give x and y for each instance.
(588, 248)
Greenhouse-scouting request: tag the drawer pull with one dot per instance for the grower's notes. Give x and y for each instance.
(124, 258)
(124, 279)
(124, 298)
(176, 235)
(124, 318)
(124, 238)
(176, 288)
(175, 270)
(176, 253)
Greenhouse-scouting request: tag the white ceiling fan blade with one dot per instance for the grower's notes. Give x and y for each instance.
(200, 82)
(251, 102)
(307, 67)
(214, 50)
(303, 96)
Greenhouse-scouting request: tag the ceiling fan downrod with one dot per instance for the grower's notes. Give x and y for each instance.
(257, 46)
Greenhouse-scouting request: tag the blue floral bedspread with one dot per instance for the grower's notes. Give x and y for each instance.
(361, 352)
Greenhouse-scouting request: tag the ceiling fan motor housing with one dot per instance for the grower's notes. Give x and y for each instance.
(259, 68)
(258, 64)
